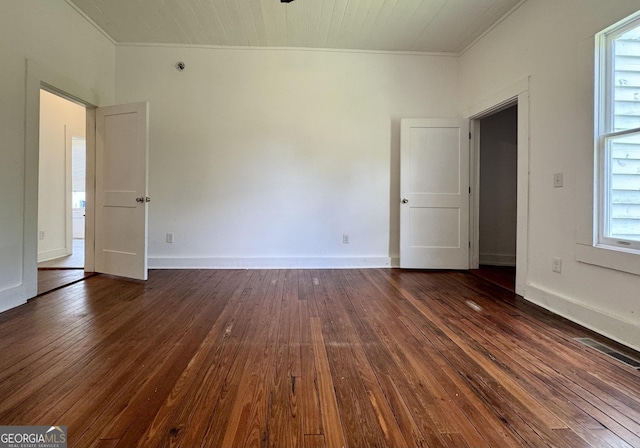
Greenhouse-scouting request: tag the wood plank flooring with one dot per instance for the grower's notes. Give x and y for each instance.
(309, 358)
(504, 276)
(50, 279)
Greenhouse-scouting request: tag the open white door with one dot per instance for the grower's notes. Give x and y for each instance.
(121, 190)
(434, 189)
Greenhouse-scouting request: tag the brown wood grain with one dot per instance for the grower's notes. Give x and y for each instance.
(309, 358)
(52, 279)
(331, 423)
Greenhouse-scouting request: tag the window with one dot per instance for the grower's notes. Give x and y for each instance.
(618, 135)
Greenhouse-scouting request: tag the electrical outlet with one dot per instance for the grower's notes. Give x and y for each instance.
(558, 180)
(345, 239)
(169, 238)
(556, 265)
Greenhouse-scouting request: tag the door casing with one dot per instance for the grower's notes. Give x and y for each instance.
(518, 94)
(74, 90)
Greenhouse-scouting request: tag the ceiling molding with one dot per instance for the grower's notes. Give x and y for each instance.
(404, 26)
(304, 49)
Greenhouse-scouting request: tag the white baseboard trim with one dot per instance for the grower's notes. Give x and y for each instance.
(269, 263)
(498, 259)
(53, 254)
(619, 330)
(12, 297)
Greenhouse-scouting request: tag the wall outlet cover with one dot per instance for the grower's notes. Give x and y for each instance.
(558, 180)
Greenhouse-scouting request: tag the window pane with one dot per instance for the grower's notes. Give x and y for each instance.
(622, 195)
(627, 80)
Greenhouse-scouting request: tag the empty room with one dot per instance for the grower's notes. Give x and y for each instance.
(320, 223)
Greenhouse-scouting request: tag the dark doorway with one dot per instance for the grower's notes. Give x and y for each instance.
(498, 197)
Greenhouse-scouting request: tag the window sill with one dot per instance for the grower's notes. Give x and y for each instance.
(625, 260)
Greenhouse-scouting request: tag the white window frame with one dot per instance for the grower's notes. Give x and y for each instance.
(604, 115)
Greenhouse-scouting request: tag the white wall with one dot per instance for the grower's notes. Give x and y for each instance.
(553, 43)
(267, 157)
(65, 47)
(498, 181)
(60, 119)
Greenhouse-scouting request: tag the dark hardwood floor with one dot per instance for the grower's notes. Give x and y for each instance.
(309, 358)
(50, 279)
(504, 276)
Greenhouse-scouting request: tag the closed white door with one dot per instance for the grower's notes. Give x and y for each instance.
(434, 189)
(121, 190)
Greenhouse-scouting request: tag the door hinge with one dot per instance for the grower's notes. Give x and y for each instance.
(469, 190)
(469, 135)
(469, 244)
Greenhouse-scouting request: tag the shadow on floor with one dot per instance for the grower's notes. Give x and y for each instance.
(504, 276)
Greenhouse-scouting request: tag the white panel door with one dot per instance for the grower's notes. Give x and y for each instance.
(121, 190)
(434, 189)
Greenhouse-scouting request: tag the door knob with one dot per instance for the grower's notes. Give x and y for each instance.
(404, 200)
(143, 199)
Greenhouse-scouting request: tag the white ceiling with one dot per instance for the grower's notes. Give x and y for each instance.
(448, 26)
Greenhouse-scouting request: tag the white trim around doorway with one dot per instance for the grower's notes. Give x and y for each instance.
(517, 94)
(39, 77)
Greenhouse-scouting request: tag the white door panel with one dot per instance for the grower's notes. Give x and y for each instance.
(121, 190)
(434, 186)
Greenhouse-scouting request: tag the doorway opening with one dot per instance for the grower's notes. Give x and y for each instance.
(497, 171)
(61, 192)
